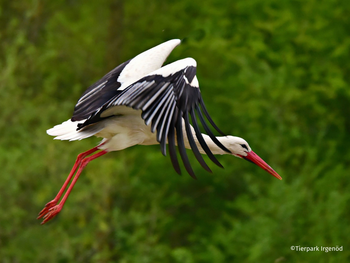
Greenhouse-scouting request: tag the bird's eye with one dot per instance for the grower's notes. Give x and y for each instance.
(244, 146)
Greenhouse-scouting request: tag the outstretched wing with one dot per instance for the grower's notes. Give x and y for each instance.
(168, 97)
(121, 77)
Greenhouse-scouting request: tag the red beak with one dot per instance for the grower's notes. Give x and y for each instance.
(254, 158)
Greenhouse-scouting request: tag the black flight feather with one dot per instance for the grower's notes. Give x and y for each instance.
(95, 97)
(193, 144)
(207, 129)
(202, 141)
(171, 142)
(181, 146)
(201, 102)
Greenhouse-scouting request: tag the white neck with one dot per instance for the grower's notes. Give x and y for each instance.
(212, 146)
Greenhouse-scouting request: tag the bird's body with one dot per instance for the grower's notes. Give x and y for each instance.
(128, 129)
(141, 103)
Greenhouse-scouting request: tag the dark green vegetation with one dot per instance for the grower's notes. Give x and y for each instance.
(274, 72)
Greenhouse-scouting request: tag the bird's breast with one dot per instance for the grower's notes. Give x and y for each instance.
(124, 128)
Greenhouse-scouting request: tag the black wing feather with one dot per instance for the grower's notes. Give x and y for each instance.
(201, 102)
(202, 141)
(207, 129)
(160, 114)
(162, 137)
(193, 144)
(98, 94)
(171, 142)
(181, 145)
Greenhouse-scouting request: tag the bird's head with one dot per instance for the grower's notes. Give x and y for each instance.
(241, 149)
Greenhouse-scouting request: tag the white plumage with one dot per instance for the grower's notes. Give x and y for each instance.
(142, 103)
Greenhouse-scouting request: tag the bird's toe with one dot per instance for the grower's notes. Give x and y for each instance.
(51, 213)
(46, 209)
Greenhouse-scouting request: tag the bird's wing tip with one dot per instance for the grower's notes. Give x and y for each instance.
(176, 40)
(190, 61)
(171, 43)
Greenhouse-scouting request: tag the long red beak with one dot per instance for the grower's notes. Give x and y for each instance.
(254, 158)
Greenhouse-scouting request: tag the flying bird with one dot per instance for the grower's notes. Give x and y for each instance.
(142, 103)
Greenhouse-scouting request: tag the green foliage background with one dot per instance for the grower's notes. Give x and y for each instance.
(274, 72)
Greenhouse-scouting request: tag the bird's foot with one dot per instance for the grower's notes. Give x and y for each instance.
(51, 213)
(47, 207)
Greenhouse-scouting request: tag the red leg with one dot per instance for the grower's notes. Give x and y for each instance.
(54, 209)
(52, 203)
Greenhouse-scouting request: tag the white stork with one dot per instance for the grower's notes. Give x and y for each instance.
(142, 103)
